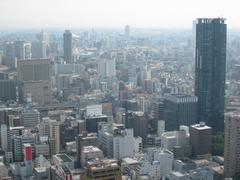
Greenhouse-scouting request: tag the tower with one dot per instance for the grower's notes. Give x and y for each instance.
(67, 46)
(127, 30)
(210, 68)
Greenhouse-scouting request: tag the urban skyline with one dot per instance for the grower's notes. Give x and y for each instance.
(151, 91)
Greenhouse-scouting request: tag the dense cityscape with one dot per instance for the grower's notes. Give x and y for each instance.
(121, 104)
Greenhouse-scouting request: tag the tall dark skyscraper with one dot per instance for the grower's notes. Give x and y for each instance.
(210, 69)
(67, 46)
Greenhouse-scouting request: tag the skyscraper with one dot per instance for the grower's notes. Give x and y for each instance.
(232, 144)
(127, 30)
(67, 46)
(210, 68)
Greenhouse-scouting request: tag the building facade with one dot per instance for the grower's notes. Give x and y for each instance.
(232, 144)
(210, 70)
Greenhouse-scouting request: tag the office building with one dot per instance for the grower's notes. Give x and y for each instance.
(43, 36)
(34, 70)
(54, 137)
(39, 92)
(34, 78)
(210, 70)
(154, 164)
(30, 118)
(17, 148)
(9, 55)
(179, 109)
(116, 141)
(160, 128)
(39, 50)
(28, 138)
(27, 152)
(107, 68)
(67, 46)
(232, 144)
(85, 139)
(4, 135)
(201, 140)
(22, 49)
(103, 169)
(90, 153)
(139, 122)
(14, 132)
(8, 90)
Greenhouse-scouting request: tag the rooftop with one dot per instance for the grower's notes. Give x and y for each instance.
(64, 157)
(201, 126)
(87, 149)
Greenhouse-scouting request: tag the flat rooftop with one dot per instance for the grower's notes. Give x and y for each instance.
(201, 126)
(64, 157)
(88, 149)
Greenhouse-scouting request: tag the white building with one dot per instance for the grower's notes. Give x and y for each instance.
(90, 153)
(143, 103)
(51, 129)
(155, 164)
(138, 146)
(160, 128)
(117, 142)
(94, 110)
(4, 135)
(106, 68)
(174, 138)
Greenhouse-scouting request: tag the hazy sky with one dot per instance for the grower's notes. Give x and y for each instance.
(114, 13)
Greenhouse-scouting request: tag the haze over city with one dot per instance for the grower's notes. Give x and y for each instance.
(25, 14)
(119, 90)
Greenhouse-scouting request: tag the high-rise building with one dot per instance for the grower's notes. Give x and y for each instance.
(54, 137)
(232, 144)
(28, 138)
(201, 140)
(116, 141)
(17, 148)
(139, 122)
(7, 90)
(27, 154)
(4, 140)
(210, 69)
(107, 68)
(85, 139)
(22, 49)
(34, 78)
(9, 54)
(179, 109)
(34, 70)
(30, 118)
(127, 30)
(67, 46)
(42, 36)
(39, 50)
